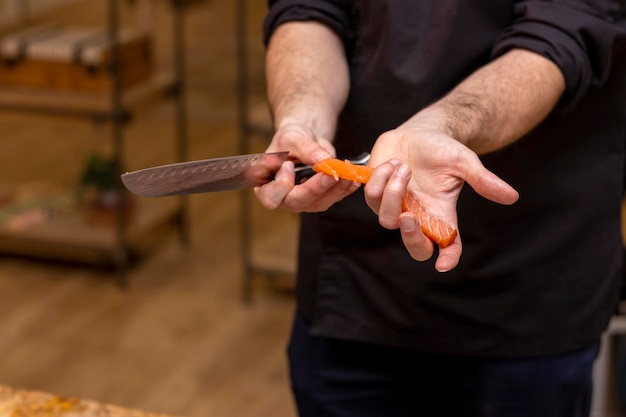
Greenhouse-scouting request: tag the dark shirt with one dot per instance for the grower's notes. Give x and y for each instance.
(536, 278)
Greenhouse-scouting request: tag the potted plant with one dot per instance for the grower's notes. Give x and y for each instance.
(100, 187)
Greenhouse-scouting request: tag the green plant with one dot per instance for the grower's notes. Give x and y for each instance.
(102, 173)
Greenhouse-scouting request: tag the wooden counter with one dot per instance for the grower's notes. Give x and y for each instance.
(22, 403)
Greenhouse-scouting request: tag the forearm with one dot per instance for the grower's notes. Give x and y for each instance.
(499, 103)
(307, 77)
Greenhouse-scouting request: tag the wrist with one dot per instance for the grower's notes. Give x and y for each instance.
(439, 118)
(461, 116)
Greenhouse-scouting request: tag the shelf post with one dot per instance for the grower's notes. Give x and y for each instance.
(244, 131)
(181, 109)
(121, 254)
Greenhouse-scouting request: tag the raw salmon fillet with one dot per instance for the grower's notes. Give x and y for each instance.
(344, 169)
(437, 229)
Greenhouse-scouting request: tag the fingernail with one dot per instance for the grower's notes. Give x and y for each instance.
(403, 171)
(288, 166)
(407, 223)
(328, 181)
(321, 155)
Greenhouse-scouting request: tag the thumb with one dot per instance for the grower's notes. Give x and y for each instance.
(303, 145)
(488, 184)
(312, 151)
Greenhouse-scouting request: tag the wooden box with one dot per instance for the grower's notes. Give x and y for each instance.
(75, 59)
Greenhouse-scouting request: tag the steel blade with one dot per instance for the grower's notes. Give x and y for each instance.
(202, 176)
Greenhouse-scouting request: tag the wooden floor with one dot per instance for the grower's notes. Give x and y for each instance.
(179, 339)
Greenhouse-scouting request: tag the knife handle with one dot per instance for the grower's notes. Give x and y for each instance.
(304, 172)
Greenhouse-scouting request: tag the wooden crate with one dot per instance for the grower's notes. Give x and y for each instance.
(73, 59)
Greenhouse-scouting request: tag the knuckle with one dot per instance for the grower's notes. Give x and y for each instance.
(388, 136)
(270, 204)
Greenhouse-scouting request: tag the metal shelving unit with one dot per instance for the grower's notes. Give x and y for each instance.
(126, 241)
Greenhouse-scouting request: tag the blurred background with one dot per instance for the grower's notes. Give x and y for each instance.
(171, 305)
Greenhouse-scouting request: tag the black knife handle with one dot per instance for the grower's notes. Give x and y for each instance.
(304, 172)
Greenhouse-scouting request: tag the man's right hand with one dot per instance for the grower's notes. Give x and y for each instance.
(317, 193)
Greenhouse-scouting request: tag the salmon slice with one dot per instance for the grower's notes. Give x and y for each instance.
(344, 169)
(438, 230)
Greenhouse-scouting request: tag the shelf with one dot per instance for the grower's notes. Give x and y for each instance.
(72, 235)
(83, 104)
(75, 236)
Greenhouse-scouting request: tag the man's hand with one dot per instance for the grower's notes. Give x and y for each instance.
(317, 193)
(495, 106)
(308, 85)
(434, 167)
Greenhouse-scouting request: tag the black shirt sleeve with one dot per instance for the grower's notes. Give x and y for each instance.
(333, 13)
(580, 36)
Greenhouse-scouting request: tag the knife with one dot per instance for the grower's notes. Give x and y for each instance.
(216, 174)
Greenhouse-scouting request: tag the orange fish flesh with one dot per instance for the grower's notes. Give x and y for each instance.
(438, 230)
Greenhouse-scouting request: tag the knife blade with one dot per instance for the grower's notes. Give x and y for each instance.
(207, 175)
(216, 174)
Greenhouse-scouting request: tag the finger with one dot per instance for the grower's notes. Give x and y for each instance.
(312, 152)
(328, 146)
(318, 193)
(302, 143)
(272, 194)
(309, 151)
(391, 203)
(449, 256)
(375, 187)
(486, 183)
(419, 246)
